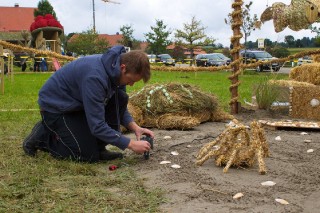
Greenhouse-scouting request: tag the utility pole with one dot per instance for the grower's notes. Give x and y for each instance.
(94, 15)
(94, 18)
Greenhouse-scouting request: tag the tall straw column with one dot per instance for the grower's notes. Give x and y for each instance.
(235, 40)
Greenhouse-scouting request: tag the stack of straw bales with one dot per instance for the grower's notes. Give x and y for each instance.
(174, 106)
(304, 89)
(305, 102)
(309, 73)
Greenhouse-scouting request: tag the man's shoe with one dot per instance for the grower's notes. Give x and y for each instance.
(31, 142)
(106, 155)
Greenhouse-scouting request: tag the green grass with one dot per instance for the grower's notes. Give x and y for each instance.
(297, 50)
(43, 184)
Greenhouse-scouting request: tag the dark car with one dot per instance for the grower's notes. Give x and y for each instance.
(252, 56)
(165, 59)
(209, 60)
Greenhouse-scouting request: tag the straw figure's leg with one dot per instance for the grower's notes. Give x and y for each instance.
(262, 165)
(206, 148)
(209, 155)
(231, 159)
(257, 140)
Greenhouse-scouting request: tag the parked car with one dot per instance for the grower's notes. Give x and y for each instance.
(252, 56)
(227, 59)
(166, 59)
(304, 60)
(208, 60)
(152, 58)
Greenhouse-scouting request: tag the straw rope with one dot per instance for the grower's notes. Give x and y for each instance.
(19, 48)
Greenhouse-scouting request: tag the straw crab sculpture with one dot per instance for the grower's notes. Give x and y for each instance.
(236, 147)
(300, 14)
(174, 106)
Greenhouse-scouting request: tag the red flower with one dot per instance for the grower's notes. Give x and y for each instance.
(49, 16)
(41, 23)
(44, 21)
(53, 23)
(38, 18)
(33, 26)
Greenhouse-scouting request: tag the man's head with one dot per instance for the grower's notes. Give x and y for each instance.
(134, 67)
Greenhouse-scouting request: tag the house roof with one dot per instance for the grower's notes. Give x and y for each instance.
(196, 51)
(112, 39)
(14, 19)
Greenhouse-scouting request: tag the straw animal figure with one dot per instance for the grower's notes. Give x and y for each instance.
(174, 106)
(297, 16)
(236, 147)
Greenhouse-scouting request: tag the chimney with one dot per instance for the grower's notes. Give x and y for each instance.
(16, 5)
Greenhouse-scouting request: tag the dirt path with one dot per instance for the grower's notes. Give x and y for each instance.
(207, 189)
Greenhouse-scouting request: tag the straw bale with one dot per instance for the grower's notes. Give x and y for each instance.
(284, 92)
(300, 98)
(291, 83)
(316, 58)
(309, 73)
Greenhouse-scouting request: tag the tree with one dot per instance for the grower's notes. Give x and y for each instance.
(280, 52)
(316, 41)
(209, 41)
(298, 43)
(289, 39)
(44, 7)
(158, 38)
(178, 53)
(191, 33)
(87, 43)
(127, 37)
(268, 43)
(306, 42)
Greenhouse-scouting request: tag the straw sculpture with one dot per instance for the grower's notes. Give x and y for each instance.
(237, 146)
(174, 106)
(296, 16)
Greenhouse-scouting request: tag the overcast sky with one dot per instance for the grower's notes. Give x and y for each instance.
(77, 16)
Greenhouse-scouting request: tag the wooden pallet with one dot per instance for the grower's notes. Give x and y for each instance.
(291, 125)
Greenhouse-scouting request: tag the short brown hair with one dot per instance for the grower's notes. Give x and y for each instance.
(137, 62)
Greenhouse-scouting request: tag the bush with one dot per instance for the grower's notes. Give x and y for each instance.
(280, 52)
(266, 94)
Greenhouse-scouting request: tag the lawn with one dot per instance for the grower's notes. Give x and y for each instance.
(43, 184)
(297, 50)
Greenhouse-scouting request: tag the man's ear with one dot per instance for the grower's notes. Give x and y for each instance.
(122, 68)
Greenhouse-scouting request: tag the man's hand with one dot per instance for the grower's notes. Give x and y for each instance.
(139, 146)
(139, 131)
